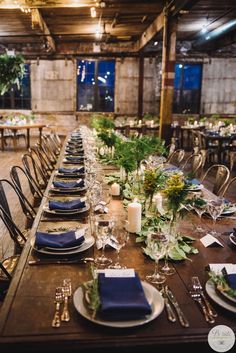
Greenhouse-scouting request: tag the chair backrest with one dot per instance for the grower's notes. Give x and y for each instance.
(218, 175)
(34, 170)
(7, 269)
(176, 157)
(16, 172)
(193, 164)
(37, 153)
(26, 206)
(15, 233)
(229, 191)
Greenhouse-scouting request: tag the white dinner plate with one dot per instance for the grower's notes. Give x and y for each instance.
(64, 212)
(228, 211)
(153, 296)
(217, 298)
(232, 239)
(88, 242)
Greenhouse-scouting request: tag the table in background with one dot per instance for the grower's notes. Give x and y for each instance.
(15, 128)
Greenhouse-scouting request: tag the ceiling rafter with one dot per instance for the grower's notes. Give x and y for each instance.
(37, 19)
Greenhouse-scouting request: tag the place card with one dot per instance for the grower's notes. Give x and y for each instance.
(209, 240)
(111, 241)
(217, 268)
(128, 272)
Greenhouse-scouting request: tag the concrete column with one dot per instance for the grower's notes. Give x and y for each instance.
(168, 73)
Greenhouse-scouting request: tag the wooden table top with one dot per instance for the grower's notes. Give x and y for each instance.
(26, 315)
(21, 127)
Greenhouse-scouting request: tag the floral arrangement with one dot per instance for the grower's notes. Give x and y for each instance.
(19, 119)
(154, 179)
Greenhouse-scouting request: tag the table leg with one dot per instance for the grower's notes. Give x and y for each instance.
(14, 139)
(28, 138)
(40, 135)
(2, 137)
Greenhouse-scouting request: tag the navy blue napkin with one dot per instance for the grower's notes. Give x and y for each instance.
(230, 278)
(69, 205)
(75, 159)
(62, 185)
(122, 298)
(60, 240)
(71, 170)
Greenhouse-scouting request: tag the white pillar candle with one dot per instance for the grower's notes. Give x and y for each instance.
(134, 217)
(158, 200)
(115, 189)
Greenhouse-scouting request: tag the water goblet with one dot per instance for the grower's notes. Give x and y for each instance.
(156, 247)
(169, 242)
(200, 209)
(121, 238)
(103, 226)
(215, 208)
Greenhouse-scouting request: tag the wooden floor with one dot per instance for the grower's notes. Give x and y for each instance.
(9, 158)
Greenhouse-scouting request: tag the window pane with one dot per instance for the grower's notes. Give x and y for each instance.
(14, 99)
(192, 77)
(178, 73)
(95, 85)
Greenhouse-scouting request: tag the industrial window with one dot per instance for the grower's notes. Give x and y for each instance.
(187, 88)
(95, 85)
(18, 99)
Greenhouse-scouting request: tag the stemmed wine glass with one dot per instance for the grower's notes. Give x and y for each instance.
(200, 209)
(104, 226)
(121, 238)
(215, 208)
(156, 245)
(170, 242)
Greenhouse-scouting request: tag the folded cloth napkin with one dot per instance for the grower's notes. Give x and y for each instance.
(59, 240)
(75, 159)
(71, 170)
(229, 277)
(69, 205)
(75, 184)
(75, 152)
(122, 298)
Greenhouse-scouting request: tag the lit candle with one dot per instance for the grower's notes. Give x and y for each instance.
(140, 122)
(115, 189)
(152, 123)
(134, 217)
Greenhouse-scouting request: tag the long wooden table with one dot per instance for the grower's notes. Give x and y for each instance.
(26, 315)
(15, 128)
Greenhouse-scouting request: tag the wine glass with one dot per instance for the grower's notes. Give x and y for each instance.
(200, 209)
(103, 226)
(215, 208)
(157, 248)
(120, 238)
(169, 242)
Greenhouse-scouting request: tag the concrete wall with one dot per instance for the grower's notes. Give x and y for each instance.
(218, 86)
(151, 86)
(53, 86)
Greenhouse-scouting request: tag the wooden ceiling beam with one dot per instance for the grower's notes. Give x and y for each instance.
(37, 19)
(151, 31)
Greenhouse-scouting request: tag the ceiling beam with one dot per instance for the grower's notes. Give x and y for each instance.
(182, 5)
(37, 20)
(151, 31)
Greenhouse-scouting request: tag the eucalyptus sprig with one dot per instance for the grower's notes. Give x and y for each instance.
(221, 284)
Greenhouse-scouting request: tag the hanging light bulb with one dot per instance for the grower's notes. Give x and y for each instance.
(93, 12)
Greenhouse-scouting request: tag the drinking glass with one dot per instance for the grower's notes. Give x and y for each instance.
(200, 209)
(157, 249)
(215, 208)
(121, 239)
(169, 243)
(103, 227)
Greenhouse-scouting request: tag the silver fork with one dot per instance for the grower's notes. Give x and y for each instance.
(59, 298)
(169, 311)
(197, 297)
(198, 288)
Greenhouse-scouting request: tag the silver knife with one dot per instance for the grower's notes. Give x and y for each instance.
(182, 318)
(62, 261)
(169, 311)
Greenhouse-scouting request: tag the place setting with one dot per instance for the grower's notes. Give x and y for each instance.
(118, 298)
(70, 172)
(66, 207)
(61, 244)
(68, 187)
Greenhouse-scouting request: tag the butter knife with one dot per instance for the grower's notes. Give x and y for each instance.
(169, 311)
(62, 261)
(182, 318)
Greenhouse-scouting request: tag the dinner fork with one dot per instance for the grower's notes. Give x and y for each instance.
(65, 316)
(197, 297)
(197, 287)
(59, 298)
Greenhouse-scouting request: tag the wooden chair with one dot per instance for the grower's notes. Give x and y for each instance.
(218, 176)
